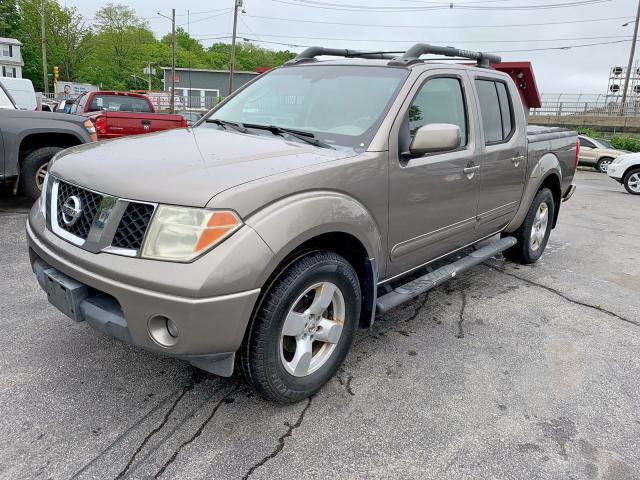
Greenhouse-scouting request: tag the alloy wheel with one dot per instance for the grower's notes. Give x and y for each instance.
(634, 182)
(312, 329)
(539, 228)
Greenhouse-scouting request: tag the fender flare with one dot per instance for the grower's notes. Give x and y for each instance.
(548, 166)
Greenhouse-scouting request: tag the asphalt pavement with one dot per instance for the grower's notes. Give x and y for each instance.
(507, 372)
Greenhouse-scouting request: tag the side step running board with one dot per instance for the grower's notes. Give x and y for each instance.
(406, 292)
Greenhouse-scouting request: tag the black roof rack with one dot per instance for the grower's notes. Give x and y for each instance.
(407, 58)
(310, 54)
(412, 55)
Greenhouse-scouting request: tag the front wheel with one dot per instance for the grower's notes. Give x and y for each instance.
(302, 329)
(33, 170)
(534, 232)
(632, 182)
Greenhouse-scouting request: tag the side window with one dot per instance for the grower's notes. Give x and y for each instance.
(490, 111)
(586, 143)
(505, 110)
(496, 111)
(440, 100)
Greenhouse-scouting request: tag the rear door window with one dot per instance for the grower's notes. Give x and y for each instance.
(496, 111)
(119, 103)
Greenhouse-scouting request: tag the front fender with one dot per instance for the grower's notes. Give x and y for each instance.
(288, 223)
(547, 166)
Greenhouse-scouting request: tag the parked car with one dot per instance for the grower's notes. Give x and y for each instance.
(29, 139)
(626, 170)
(191, 117)
(22, 92)
(119, 114)
(597, 153)
(266, 235)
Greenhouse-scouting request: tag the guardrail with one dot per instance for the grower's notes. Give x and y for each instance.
(587, 109)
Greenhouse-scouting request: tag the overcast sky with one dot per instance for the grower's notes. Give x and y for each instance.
(578, 70)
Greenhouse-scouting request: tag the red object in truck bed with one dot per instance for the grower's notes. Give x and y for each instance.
(119, 114)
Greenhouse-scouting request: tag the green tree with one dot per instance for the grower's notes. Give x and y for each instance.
(9, 18)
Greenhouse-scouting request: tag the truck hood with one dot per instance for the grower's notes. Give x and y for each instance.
(186, 166)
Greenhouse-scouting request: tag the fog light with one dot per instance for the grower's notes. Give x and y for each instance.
(172, 328)
(163, 330)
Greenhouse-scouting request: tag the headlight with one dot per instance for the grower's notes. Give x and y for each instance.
(618, 159)
(181, 234)
(91, 130)
(43, 196)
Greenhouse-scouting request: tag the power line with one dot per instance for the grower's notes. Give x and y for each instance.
(227, 11)
(442, 6)
(457, 27)
(436, 41)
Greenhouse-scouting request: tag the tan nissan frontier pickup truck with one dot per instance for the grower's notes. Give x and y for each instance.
(311, 199)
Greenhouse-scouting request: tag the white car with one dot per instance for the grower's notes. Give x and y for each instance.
(626, 170)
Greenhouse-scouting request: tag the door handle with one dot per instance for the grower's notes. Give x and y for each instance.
(516, 160)
(145, 122)
(471, 170)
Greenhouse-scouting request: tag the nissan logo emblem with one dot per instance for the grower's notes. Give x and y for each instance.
(71, 211)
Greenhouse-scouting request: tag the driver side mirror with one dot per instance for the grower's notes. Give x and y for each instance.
(435, 137)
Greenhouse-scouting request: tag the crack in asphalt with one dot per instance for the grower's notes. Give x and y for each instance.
(346, 384)
(124, 434)
(224, 400)
(281, 440)
(463, 306)
(188, 387)
(419, 309)
(567, 298)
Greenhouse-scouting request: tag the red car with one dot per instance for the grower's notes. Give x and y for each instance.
(118, 114)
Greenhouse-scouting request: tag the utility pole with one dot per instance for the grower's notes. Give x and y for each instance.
(173, 60)
(631, 57)
(45, 75)
(149, 89)
(236, 4)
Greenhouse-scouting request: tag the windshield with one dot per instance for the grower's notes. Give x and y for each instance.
(5, 101)
(340, 105)
(119, 103)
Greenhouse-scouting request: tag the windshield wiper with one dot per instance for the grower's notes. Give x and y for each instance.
(307, 137)
(224, 124)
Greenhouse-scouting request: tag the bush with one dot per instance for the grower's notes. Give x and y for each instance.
(625, 143)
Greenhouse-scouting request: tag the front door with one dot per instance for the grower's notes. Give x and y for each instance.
(433, 197)
(504, 161)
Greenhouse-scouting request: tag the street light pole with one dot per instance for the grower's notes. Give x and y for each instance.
(236, 4)
(43, 37)
(631, 57)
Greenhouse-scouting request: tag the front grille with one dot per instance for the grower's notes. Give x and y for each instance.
(133, 226)
(89, 202)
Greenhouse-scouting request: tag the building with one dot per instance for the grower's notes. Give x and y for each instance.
(10, 58)
(200, 88)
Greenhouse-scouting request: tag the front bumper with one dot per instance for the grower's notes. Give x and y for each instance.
(616, 171)
(211, 328)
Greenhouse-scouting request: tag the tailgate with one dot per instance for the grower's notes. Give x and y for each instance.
(125, 123)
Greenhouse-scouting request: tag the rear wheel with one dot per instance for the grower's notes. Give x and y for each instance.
(533, 234)
(632, 182)
(603, 164)
(34, 168)
(303, 328)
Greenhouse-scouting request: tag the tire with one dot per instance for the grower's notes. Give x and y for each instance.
(631, 181)
(528, 250)
(32, 170)
(603, 164)
(289, 368)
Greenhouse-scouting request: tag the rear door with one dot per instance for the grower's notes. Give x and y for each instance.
(588, 151)
(432, 201)
(503, 161)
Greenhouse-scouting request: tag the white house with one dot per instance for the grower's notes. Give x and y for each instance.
(10, 58)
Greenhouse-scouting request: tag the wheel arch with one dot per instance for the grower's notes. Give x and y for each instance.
(322, 221)
(33, 141)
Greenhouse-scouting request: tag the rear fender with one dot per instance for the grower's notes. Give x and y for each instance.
(548, 166)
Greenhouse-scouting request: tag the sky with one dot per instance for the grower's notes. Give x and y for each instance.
(500, 26)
